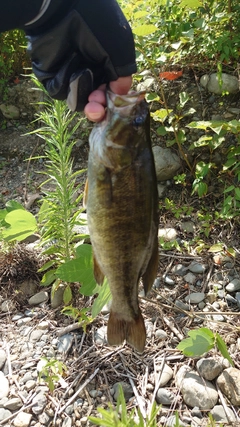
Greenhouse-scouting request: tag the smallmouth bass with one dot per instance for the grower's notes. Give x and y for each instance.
(122, 210)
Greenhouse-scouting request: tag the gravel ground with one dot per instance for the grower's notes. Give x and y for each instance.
(192, 290)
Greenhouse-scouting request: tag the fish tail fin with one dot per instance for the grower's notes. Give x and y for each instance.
(151, 271)
(133, 331)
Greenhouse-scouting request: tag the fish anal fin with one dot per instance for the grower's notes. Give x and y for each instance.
(133, 331)
(98, 274)
(151, 271)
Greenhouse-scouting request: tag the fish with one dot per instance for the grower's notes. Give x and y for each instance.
(121, 200)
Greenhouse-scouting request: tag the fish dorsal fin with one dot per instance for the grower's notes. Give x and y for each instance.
(85, 194)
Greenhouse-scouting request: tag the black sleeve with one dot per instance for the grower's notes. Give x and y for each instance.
(16, 13)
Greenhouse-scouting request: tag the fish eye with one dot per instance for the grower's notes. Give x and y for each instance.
(138, 121)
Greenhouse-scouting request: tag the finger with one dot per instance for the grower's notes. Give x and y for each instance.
(98, 96)
(94, 111)
(122, 85)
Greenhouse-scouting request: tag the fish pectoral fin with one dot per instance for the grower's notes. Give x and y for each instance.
(98, 274)
(133, 331)
(151, 271)
(85, 194)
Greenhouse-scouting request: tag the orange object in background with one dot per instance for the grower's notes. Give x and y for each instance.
(171, 75)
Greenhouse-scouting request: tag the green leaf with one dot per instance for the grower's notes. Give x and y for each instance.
(190, 4)
(200, 341)
(47, 265)
(80, 270)
(13, 205)
(223, 348)
(67, 295)
(144, 30)
(104, 295)
(48, 278)
(216, 248)
(22, 224)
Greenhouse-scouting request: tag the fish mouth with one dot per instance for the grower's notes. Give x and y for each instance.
(124, 104)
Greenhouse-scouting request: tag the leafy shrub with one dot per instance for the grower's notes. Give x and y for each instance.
(13, 58)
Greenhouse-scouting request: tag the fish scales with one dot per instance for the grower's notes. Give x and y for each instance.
(122, 212)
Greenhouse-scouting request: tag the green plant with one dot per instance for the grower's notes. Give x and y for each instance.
(202, 340)
(16, 223)
(120, 417)
(51, 372)
(13, 58)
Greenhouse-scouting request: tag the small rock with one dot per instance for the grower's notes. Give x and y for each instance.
(190, 278)
(182, 305)
(7, 306)
(233, 286)
(13, 404)
(57, 296)
(209, 368)
(40, 402)
(101, 336)
(179, 269)
(28, 287)
(230, 83)
(22, 419)
(219, 414)
(36, 335)
(198, 392)
(65, 343)
(38, 298)
(169, 281)
(196, 267)
(43, 325)
(127, 390)
(238, 299)
(160, 334)
(10, 111)
(167, 163)
(44, 418)
(195, 298)
(4, 413)
(67, 422)
(164, 396)
(229, 384)
(195, 412)
(3, 358)
(93, 393)
(167, 234)
(4, 389)
(30, 384)
(187, 226)
(173, 421)
(167, 374)
(162, 189)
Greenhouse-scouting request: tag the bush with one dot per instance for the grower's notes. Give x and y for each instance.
(13, 58)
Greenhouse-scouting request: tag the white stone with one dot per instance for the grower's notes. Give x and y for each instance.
(4, 385)
(167, 163)
(22, 419)
(198, 392)
(195, 297)
(211, 82)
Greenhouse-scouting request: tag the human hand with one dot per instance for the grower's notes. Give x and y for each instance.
(95, 108)
(84, 50)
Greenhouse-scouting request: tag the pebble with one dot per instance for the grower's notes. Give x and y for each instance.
(219, 414)
(167, 234)
(40, 402)
(3, 358)
(188, 226)
(4, 389)
(167, 374)
(229, 384)
(160, 334)
(127, 390)
(169, 281)
(196, 267)
(13, 404)
(167, 163)
(38, 298)
(195, 297)
(67, 422)
(190, 278)
(238, 299)
(22, 419)
(233, 286)
(4, 413)
(198, 392)
(209, 368)
(179, 269)
(165, 396)
(182, 305)
(101, 336)
(211, 82)
(65, 343)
